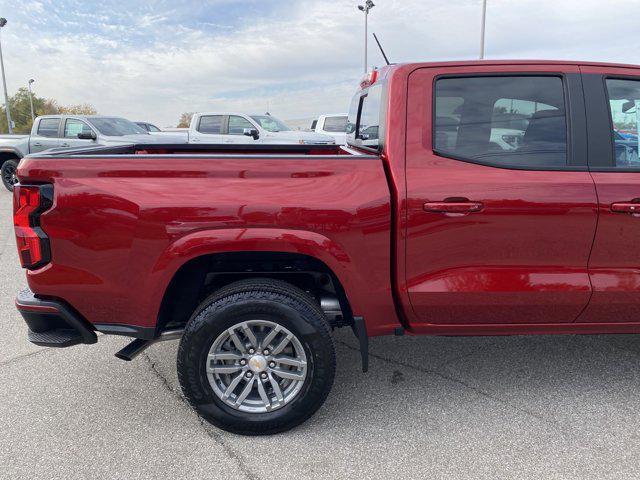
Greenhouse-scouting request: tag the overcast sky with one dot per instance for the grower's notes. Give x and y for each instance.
(153, 60)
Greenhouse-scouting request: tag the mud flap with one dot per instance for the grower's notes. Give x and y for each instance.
(360, 331)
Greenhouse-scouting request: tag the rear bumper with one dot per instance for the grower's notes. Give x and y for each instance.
(52, 323)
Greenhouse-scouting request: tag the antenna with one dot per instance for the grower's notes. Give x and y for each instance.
(381, 50)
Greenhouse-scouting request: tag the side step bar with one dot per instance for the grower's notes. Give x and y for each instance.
(139, 345)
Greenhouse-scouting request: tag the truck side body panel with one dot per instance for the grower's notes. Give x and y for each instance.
(121, 227)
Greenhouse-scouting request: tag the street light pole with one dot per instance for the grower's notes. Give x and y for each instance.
(482, 28)
(33, 117)
(368, 5)
(3, 22)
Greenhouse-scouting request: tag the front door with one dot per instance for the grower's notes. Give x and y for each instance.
(73, 127)
(236, 126)
(613, 101)
(501, 210)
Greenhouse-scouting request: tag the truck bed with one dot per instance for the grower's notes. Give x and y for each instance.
(126, 219)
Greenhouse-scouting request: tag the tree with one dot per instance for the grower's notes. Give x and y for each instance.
(185, 120)
(21, 110)
(81, 109)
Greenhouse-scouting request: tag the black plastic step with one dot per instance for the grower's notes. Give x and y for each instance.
(55, 338)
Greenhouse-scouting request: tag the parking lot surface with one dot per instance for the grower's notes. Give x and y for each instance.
(496, 407)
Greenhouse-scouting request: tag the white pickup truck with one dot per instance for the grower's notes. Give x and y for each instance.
(226, 127)
(334, 125)
(69, 131)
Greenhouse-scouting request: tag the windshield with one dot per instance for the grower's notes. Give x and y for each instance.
(271, 124)
(116, 127)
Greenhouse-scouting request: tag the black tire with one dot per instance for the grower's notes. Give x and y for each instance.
(266, 299)
(7, 171)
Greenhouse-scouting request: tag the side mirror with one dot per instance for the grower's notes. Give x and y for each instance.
(251, 132)
(87, 135)
(628, 106)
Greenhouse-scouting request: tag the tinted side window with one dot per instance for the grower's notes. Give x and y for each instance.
(210, 124)
(624, 100)
(369, 120)
(73, 127)
(48, 127)
(238, 124)
(507, 121)
(335, 124)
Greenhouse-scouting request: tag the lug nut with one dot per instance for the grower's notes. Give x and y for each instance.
(243, 362)
(263, 375)
(272, 364)
(252, 351)
(249, 374)
(266, 352)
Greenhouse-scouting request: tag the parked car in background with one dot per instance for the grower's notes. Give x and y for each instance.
(176, 133)
(149, 127)
(68, 131)
(240, 128)
(334, 125)
(626, 148)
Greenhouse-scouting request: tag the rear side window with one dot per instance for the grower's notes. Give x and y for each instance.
(506, 121)
(210, 124)
(369, 119)
(335, 124)
(48, 127)
(624, 103)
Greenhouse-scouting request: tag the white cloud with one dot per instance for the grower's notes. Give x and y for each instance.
(303, 60)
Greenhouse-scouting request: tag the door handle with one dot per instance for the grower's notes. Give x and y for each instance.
(626, 207)
(453, 207)
(37, 144)
(64, 144)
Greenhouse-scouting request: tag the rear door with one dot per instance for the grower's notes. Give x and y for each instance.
(501, 210)
(208, 130)
(613, 115)
(46, 135)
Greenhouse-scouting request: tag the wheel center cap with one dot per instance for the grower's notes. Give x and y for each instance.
(258, 363)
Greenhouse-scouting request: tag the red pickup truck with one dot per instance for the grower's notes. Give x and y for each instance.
(473, 198)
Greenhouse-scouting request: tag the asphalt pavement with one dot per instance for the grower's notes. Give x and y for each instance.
(540, 407)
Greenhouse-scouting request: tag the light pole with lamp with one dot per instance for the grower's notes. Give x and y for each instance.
(368, 5)
(33, 117)
(482, 27)
(3, 22)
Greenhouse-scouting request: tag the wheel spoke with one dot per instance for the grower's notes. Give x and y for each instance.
(232, 386)
(276, 388)
(283, 343)
(293, 362)
(289, 374)
(264, 396)
(236, 341)
(225, 356)
(221, 369)
(269, 338)
(245, 391)
(250, 335)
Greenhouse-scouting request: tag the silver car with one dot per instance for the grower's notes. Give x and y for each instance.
(72, 131)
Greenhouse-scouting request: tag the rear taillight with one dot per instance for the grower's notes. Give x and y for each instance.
(29, 202)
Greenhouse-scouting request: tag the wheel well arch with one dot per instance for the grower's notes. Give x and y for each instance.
(197, 278)
(8, 155)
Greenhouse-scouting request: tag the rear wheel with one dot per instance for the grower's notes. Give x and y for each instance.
(8, 173)
(257, 357)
